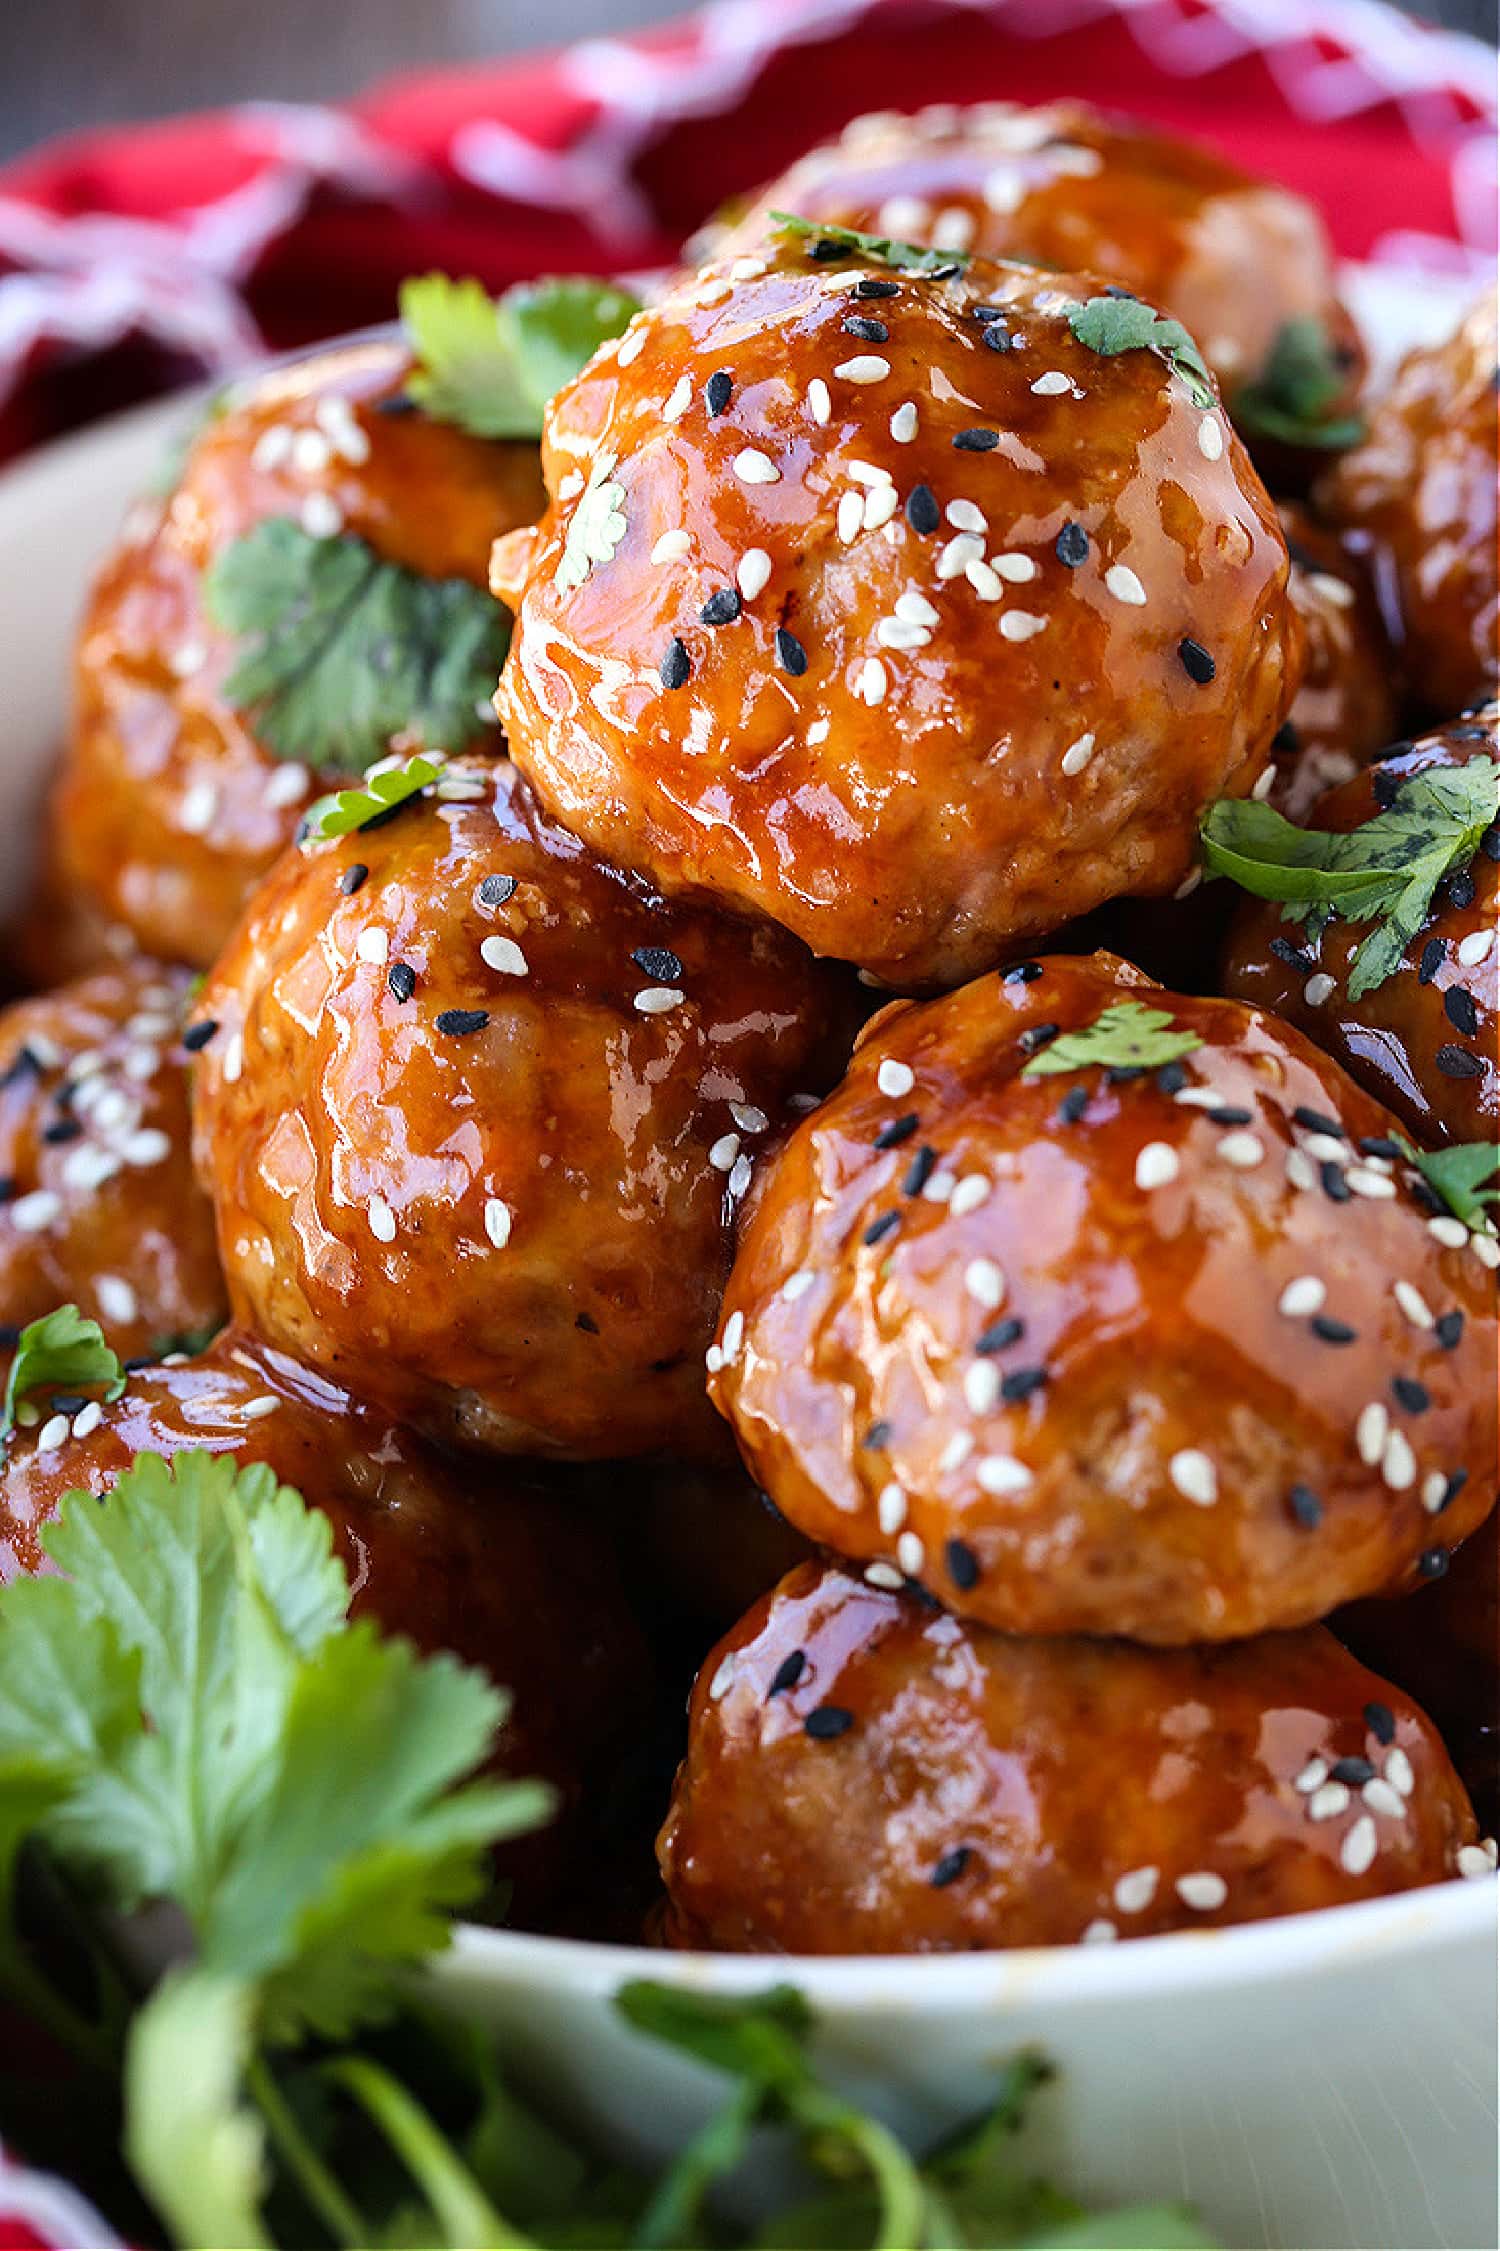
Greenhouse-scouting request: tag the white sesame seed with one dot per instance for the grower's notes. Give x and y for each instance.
(1002, 1475)
(968, 1194)
(632, 344)
(884, 1575)
(373, 945)
(271, 448)
(655, 1000)
(382, 1219)
(1398, 1771)
(1300, 1169)
(913, 608)
(88, 1419)
(504, 955)
(867, 473)
(981, 1386)
(748, 1118)
(1321, 986)
(1434, 1491)
(1328, 1802)
(1021, 625)
(985, 1283)
(713, 1359)
(1121, 581)
(671, 547)
(677, 401)
(186, 659)
(740, 1176)
(1307, 1294)
(1371, 1431)
(117, 1300)
(1016, 569)
(1451, 1233)
(723, 1680)
(753, 572)
(881, 504)
(953, 228)
(1242, 1150)
(964, 548)
(1202, 1890)
(910, 1554)
(234, 1058)
(1359, 1845)
(1412, 1304)
(1381, 1798)
(1474, 1862)
(985, 582)
(871, 683)
(938, 1187)
(714, 290)
(52, 1434)
(724, 1151)
(1194, 1476)
(819, 403)
(890, 1510)
(1485, 1249)
(798, 1284)
(1135, 1890)
(1004, 189)
(851, 516)
(957, 1451)
(196, 810)
(321, 516)
(753, 467)
(141, 1064)
(732, 1337)
(1053, 384)
(865, 367)
(895, 1079)
(1312, 1777)
(1078, 754)
(1366, 1181)
(149, 1146)
(904, 423)
(1156, 1165)
(1189, 884)
(966, 515)
(1210, 438)
(286, 785)
(1475, 948)
(1099, 1932)
(255, 1410)
(1398, 1464)
(1326, 1148)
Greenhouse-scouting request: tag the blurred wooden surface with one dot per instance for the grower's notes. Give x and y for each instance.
(71, 63)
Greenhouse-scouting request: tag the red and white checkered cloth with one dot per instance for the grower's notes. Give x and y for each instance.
(133, 260)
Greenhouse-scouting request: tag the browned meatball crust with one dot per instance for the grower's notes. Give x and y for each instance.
(864, 1776)
(918, 645)
(98, 1203)
(492, 1562)
(1176, 1358)
(1421, 492)
(1071, 188)
(476, 1115)
(1426, 1041)
(169, 806)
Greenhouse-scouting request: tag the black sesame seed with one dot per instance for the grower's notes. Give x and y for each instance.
(588, 1324)
(402, 979)
(659, 963)
(1123, 1074)
(790, 654)
(1459, 1008)
(985, 312)
(352, 877)
(1171, 1078)
(876, 1437)
(1448, 1328)
(8, 1190)
(1354, 1771)
(1295, 957)
(1432, 1563)
(1037, 1036)
(1426, 1198)
(1386, 788)
(1397, 749)
(899, 1130)
(1380, 1145)
(1196, 662)
(867, 286)
(1457, 1062)
(828, 1721)
(1451, 1490)
(825, 250)
(878, 1229)
(68, 1402)
(870, 331)
(1305, 1507)
(916, 1592)
(976, 441)
(1381, 1721)
(996, 335)
(1000, 1335)
(1072, 545)
(1286, 742)
(1073, 1105)
(62, 1129)
(1332, 1332)
(1489, 843)
(1318, 1121)
(676, 665)
(1021, 973)
(21, 1065)
(1229, 1115)
(963, 1564)
(1021, 1383)
(788, 1672)
(199, 1034)
(459, 1021)
(1114, 289)
(950, 1867)
(1461, 888)
(1431, 962)
(1413, 1396)
(922, 510)
(919, 1172)
(1335, 1187)
(722, 607)
(718, 391)
(496, 890)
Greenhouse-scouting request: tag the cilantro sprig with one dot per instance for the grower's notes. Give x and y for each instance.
(1290, 399)
(881, 250)
(490, 365)
(1385, 871)
(1458, 1174)
(342, 652)
(377, 796)
(63, 1351)
(1128, 1036)
(1111, 325)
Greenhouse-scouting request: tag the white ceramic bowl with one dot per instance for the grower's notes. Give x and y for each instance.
(1328, 2079)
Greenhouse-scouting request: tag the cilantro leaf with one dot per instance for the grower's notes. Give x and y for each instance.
(1111, 325)
(343, 652)
(1458, 1173)
(62, 1351)
(350, 809)
(1128, 1036)
(1290, 398)
(884, 250)
(197, 2150)
(1385, 871)
(491, 366)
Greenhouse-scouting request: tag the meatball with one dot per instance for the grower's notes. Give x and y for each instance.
(712, 1543)
(866, 1777)
(476, 1115)
(1424, 1041)
(172, 801)
(1421, 492)
(1346, 706)
(497, 1564)
(877, 602)
(1068, 187)
(98, 1202)
(1170, 1353)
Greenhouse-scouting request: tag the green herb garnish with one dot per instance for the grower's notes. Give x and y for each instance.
(63, 1351)
(344, 652)
(1127, 1037)
(350, 809)
(1458, 1174)
(1290, 398)
(1111, 325)
(491, 365)
(1385, 871)
(883, 250)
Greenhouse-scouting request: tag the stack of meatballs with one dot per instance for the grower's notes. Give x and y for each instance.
(783, 1123)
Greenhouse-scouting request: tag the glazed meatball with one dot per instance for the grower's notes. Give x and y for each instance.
(1346, 706)
(1172, 1353)
(171, 802)
(497, 1564)
(877, 602)
(1421, 492)
(866, 1777)
(476, 1114)
(98, 1203)
(1068, 187)
(1424, 1041)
